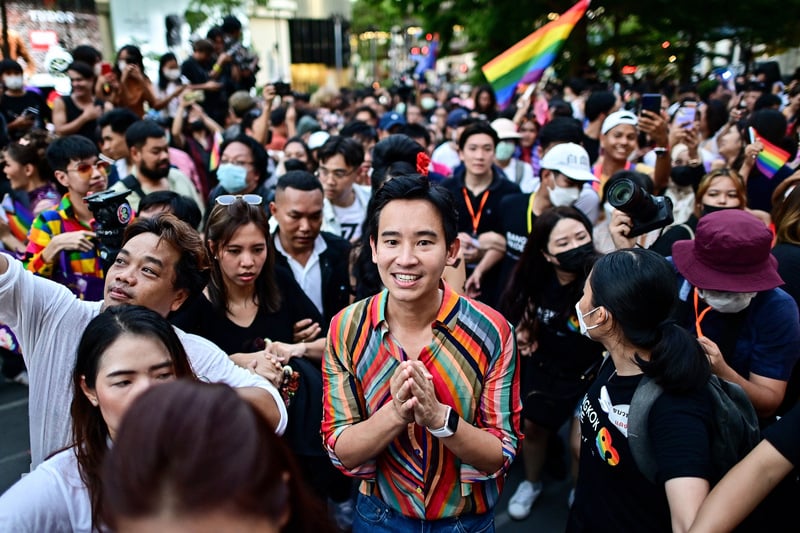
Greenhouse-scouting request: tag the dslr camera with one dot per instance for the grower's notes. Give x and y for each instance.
(647, 212)
(112, 213)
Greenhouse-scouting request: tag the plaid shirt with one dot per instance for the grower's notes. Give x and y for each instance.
(472, 358)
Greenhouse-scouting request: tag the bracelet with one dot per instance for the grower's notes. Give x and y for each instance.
(216, 68)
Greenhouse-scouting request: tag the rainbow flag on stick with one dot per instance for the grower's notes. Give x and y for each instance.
(771, 158)
(526, 61)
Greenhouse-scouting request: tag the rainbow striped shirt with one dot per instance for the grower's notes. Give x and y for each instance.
(473, 360)
(49, 223)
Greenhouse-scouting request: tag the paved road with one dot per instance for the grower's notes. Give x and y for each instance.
(548, 515)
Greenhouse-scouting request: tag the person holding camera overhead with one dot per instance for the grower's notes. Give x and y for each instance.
(61, 241)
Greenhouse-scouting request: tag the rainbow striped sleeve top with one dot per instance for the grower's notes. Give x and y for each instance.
(472, 358)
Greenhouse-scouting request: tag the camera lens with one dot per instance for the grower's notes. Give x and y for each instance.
(621, 193)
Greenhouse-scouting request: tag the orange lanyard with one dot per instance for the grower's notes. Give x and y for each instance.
(699, 316)
(476, 219)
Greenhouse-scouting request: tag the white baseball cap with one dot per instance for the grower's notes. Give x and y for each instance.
(505, 129)
(616, 118)
(570, 159)
(317, 139)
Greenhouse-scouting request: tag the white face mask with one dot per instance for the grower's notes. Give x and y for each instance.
(584, 328)
(172, 74)
(727, 302)
(122, 65)
(427, 103)
(563, 195)
(13, 82)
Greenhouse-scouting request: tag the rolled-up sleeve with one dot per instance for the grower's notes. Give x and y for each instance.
(342, 398)
(500, 408)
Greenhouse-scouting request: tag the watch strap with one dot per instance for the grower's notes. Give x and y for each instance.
(449, 427)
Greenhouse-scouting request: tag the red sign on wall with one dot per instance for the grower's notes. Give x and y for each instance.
(41, 40)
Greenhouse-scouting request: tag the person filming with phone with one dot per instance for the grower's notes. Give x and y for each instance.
(22, 109)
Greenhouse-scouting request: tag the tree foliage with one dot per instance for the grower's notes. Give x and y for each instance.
(622, 32)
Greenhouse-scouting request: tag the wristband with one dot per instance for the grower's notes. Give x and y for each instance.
(216, 68)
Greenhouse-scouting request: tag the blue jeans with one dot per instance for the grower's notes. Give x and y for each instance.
(374, 516)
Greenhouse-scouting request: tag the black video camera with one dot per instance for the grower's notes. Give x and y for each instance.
(112, 213)
(647, 212)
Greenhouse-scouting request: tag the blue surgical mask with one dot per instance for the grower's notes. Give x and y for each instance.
(233, 178)
(504, 150)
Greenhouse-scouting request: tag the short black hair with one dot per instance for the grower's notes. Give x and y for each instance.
(181, 206)
(119, 119)
(560, 130)
(84, 69)
(302, 180)
(138, 133)
(359, 130)
(69, 148)
(599, 102)
(414, 187)
(86, 53)
(366, 109)
(347, 147)
(231, 24)
(260, 156)
(478, 128)
(417, 131)
(9, 65)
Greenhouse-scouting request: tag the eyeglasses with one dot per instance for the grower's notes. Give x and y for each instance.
(229, 199)
(85, 170)
(235, 163)
(339, 173)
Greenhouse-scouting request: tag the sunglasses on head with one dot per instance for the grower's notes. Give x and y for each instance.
(229, 199)
(85, 170)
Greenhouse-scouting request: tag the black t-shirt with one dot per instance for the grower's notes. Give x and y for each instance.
(516, 218)
(13, 106)
(788, 256)
(490, 220)
(559, 335)
(200, 318)
(785, 435)
(612, 494)
(663, 245)
(592, 148)
(214, 102)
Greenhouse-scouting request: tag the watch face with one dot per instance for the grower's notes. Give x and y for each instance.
(452, 420)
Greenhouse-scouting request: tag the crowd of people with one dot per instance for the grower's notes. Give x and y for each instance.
(393, 293)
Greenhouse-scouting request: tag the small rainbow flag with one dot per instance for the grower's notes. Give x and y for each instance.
(526, 61)
(18, 218)
(771, 158)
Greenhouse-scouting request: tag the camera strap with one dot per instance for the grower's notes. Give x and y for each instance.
(133, 184)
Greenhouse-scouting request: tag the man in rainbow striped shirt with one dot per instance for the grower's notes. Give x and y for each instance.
(421, 386)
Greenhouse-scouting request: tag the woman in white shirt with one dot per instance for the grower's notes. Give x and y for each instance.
(124, 351)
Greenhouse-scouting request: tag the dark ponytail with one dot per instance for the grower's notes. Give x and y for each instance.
(639, 289)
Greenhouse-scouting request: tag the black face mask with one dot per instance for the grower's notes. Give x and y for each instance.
(683, 175)
(713, 209)
(197, 125)
(574, 261)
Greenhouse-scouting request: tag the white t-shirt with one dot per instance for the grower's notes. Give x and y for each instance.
(446, 155)
(521, 173)
(52, 498)
(49, 320)
(350, 218)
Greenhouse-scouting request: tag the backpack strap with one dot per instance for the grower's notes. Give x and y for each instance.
(645, 395)
(133, 184)
(688, 229)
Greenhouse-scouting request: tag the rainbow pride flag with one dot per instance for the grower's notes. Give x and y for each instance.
(18, 218)
(526, 61)
(771, 158)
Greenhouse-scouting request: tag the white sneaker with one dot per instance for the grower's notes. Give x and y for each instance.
(521, 502)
